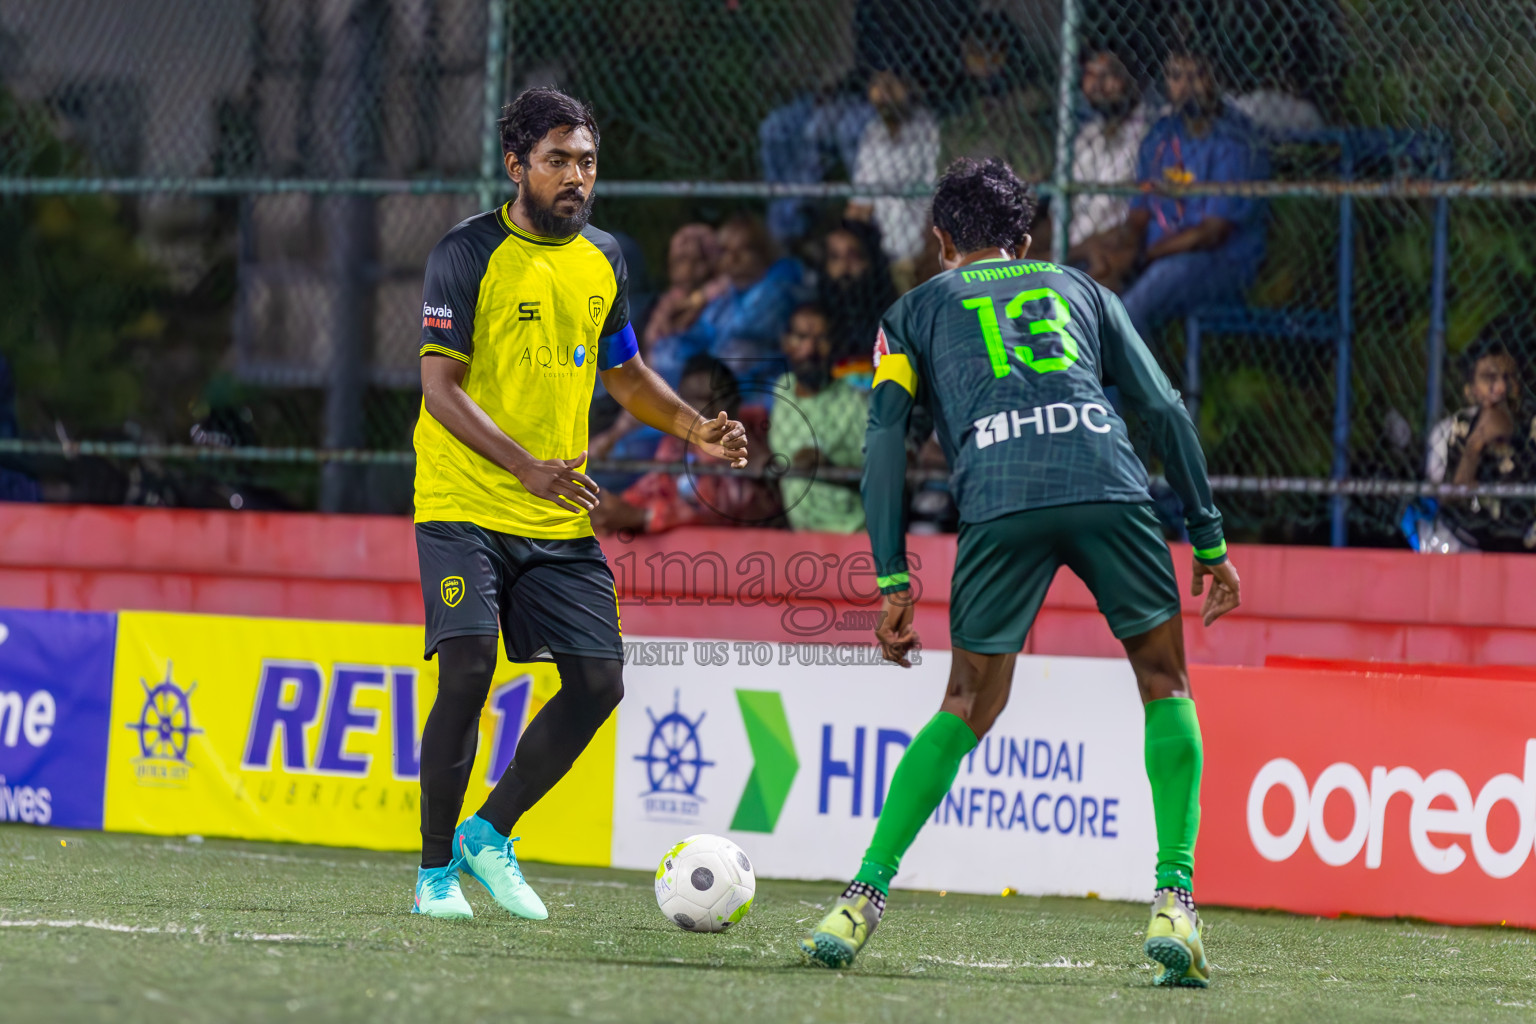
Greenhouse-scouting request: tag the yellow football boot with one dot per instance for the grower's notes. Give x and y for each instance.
(842, 933)
(1173, 940)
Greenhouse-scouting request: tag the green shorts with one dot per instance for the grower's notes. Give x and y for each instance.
(1004, 566)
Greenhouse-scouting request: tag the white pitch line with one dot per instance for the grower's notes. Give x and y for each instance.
(1008, 964)
(170, 929)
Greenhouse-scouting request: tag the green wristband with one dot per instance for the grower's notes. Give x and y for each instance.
(895, 579)
(1213, 556)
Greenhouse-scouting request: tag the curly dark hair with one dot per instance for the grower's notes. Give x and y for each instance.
(982, 205)
(537, 112)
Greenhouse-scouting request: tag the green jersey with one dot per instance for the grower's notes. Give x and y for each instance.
(1011, 358)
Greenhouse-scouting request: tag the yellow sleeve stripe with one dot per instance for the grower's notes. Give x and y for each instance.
(897, 367)
(442, 350)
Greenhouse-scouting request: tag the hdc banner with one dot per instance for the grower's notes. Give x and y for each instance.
(310, 732)
(790, 755)
(1381, 795)
(55, 691)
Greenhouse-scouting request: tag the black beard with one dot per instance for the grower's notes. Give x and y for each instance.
(813, 376)
(1112, 109)
(550, 224)
(1193, 110)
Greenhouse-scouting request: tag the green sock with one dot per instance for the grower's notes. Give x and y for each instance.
(926, 772)
(1174, 757)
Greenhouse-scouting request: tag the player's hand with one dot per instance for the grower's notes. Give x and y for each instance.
(1226, 589)
(557, 481)
(724, 438)
(895, 632)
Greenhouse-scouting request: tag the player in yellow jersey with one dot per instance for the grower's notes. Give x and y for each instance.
(524, 307)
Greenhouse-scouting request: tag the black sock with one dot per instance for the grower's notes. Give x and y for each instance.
(465, 665)
(590, 688)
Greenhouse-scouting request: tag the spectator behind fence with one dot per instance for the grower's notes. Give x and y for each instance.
(693, 259)
(1104, 151)
(818, 423)
(1491, 440)
(899, 147)
(998, 110)
(803, 141)
(694, 281)
(855, 289)
(661, 501)
(1192, 251)
(741, 327)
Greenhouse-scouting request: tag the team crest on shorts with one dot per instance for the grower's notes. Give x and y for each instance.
(452, 590)
(595, 307)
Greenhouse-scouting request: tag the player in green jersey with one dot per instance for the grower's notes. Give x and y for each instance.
(1011, 357)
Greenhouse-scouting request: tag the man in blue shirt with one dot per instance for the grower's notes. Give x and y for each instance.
(1193, 251)
(741, 328)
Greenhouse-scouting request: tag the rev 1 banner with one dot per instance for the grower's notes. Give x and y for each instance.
(310, 732)
(789, 753)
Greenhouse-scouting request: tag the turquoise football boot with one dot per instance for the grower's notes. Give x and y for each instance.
(438, 894)
(486, 855)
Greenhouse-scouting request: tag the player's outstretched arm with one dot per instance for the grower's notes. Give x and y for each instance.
(554, 480)
(641, 390)
(1129, 364)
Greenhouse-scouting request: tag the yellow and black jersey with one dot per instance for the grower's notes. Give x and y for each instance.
(535, 319)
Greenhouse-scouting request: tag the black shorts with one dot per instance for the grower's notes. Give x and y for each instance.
(549, 596)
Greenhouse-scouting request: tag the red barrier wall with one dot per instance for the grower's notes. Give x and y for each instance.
(1313, 602)
(1383, 795)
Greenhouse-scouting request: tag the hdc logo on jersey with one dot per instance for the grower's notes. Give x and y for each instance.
(1056, 418)
(437, 316)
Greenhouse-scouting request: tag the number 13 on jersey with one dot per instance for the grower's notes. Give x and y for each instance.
(992, 330)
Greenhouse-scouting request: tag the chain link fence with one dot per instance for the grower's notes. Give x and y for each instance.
(214, 215)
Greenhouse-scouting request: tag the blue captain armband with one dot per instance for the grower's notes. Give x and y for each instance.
(617, 348)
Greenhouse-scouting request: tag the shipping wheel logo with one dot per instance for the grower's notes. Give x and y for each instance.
(673, 758)
(165, 722)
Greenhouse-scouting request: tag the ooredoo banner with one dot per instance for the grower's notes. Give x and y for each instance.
(310, 732)
(55, 691)
(788, 749)
(1371, 794)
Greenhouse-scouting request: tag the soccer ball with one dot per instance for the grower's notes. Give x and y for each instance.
(705, 884)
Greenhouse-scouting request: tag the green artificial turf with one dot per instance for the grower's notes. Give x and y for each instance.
(128, 928)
